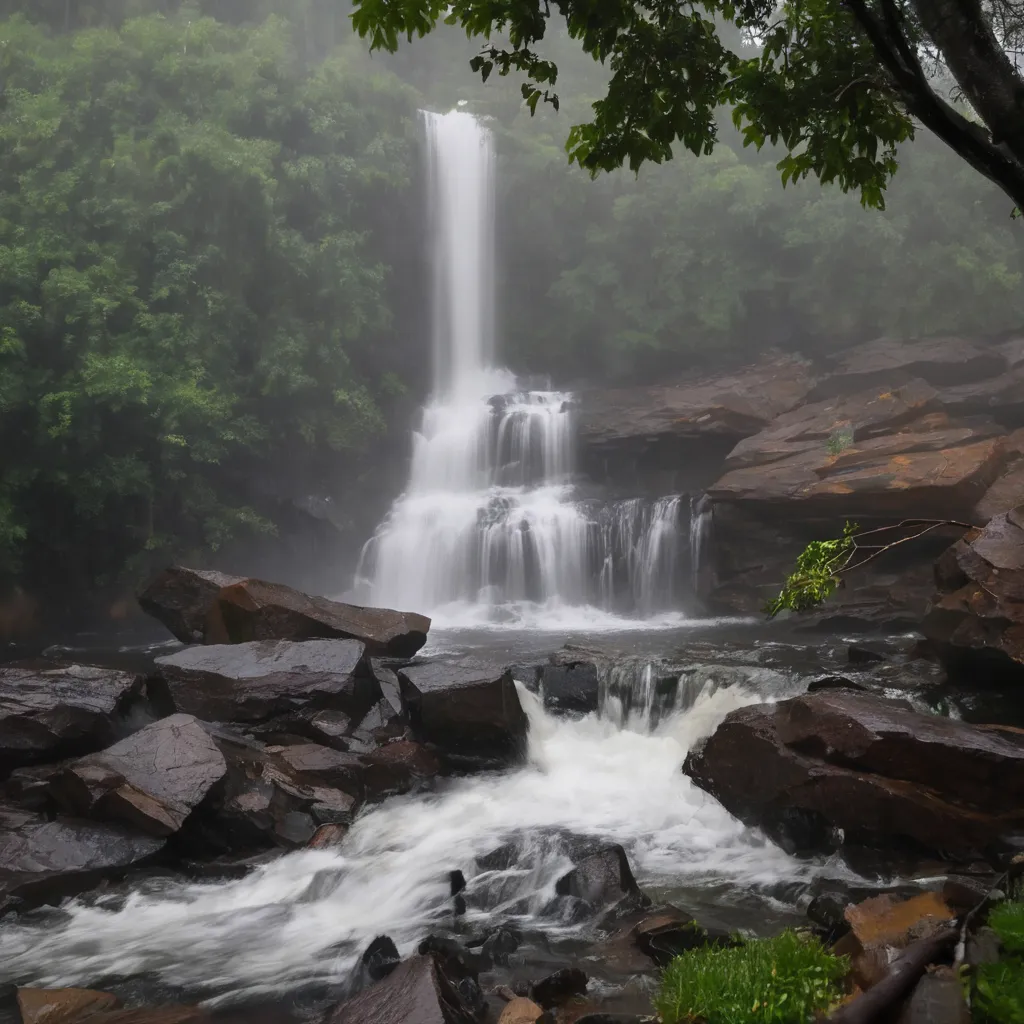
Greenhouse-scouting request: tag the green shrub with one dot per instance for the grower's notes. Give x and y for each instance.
(1007, 921)
(999, 988)
(784, 980)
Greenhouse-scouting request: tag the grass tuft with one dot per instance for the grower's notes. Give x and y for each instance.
(784, 980)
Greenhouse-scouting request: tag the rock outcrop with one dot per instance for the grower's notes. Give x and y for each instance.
(467, 708)
(838, 767)
(50, 711)
(210, 607)
(151, 780)
(255, 682)
(46, 861)
(977, 619)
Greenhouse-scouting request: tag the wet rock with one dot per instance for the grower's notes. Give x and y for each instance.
(256, 682)
(570, 681)
(152, 780)
(154, 1015)
(867, 770)
(468, 708)
(862, 655)
(213, 608)
(29, 787)
(899, 456)
(499, 946)
(977, 620)
(835, 683)
(398, 768)
(560, 987)
(328, 836)
(499, 859)
(62, 1005)
(883, 926)
(938, 998)
(263, 791)
(889, 362)
(314, 764)
(43, 861)
(416, 992)
(379, 959)
(520, 1011)
(602, 879)
(52, 711)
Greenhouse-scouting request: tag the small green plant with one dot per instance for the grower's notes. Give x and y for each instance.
(999, 988)
(816, 576)
(784, 980)
(839, 440)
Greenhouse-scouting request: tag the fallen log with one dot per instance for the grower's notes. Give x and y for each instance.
(898, 982)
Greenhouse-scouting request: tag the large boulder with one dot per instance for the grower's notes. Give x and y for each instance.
(885, 453)
(212, 608)
(255, 682)
(47, 861)
(467, 707)
(415, 992)
(50, 711)
(888, 362)
(152, 780)
(843, 767)
(977, 619)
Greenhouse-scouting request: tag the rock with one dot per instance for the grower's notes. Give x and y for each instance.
(51, 711)
(602, 879)
(154, 1015)
(977, 618)
(62, 1005)
(416, 992)
(896, 458)
(152, 780)
(267, 800)
(466, 707)
(733, 405)
(560, 987)
(520, 1011)
(938, 998)
(882, 926)
(222, 609)
(862, 655)
(44, 861)
(398, 768)
(379, 959)
(1006, 493)
(879, 773)
(569, 682)
(314, 764)
(835, 683)
(499, 946)
(887, 362)
(328, 836)
(256, 682)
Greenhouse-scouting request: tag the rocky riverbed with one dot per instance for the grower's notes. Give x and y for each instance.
(307, 827)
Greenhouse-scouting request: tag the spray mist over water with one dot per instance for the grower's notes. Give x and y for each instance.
(305, 918)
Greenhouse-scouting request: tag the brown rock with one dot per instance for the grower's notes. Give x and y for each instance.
(398, 767)
(62, 1005)
(884, 775)
(938, 998)
(978, 615)
(520, 1011)
(154, 1015)
(256, 682)
(152, 780)
(415, 992)
(467, 707)
(732, 405)
(888, 362)
(50, 711)
(221, 609)
(328, 836)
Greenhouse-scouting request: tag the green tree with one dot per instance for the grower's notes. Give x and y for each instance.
(838, 83)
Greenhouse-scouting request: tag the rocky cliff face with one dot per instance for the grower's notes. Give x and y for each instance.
(788, 451)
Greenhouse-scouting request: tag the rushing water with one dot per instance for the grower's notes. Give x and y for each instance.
(304, 919)
(490, 523)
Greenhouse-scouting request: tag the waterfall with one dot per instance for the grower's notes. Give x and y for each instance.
(700, 537)
(490, 517)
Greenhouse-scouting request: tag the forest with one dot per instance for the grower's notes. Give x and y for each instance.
(213, 271)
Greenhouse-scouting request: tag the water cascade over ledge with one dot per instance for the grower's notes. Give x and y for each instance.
(492, 521)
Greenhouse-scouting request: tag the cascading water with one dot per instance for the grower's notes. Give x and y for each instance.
(490, 520)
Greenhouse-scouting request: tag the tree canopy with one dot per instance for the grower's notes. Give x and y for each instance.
(838, 83)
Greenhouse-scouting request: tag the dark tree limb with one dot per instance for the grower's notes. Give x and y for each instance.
(925, 526)
(903, 974)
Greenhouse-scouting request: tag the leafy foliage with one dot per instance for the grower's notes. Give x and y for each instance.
(839, 440)
(192, 293)
(816, 576)
(999, 988)
(783, 980)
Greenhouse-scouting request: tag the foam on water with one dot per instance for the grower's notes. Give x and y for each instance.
(307, 916)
